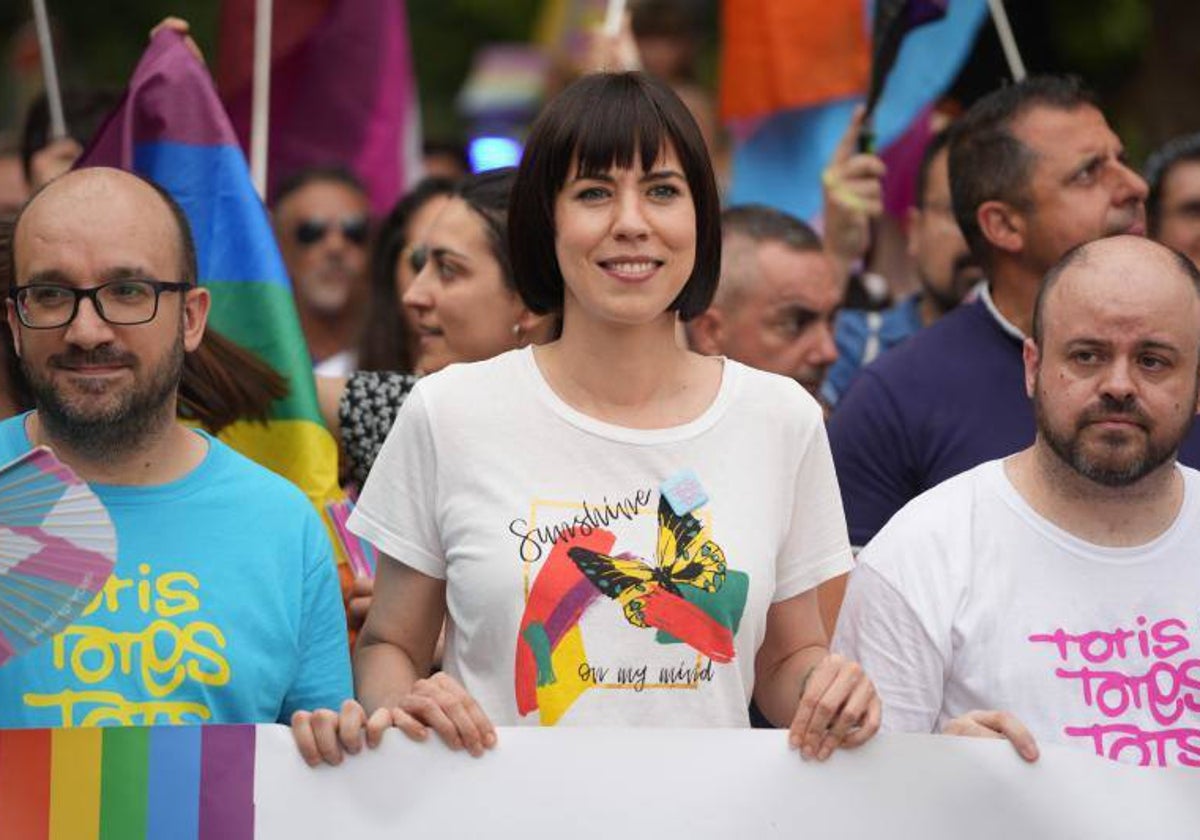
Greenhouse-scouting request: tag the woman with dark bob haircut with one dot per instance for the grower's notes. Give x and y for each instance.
(604, 120)
(607, 510)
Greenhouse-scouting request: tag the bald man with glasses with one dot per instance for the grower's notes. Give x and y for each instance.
(224, 605)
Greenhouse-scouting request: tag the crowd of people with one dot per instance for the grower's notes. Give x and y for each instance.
(626, 457)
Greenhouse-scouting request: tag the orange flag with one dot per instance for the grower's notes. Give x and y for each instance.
(787, 54)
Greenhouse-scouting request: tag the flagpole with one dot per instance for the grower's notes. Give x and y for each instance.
(613, 17)
(58, 125)
(999, 17)
(261, 100)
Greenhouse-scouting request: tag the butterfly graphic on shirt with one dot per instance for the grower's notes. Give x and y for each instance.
(685, 556)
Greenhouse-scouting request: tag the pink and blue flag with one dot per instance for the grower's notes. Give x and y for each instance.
(779, 157)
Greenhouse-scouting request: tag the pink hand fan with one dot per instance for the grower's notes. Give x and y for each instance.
(57, 548)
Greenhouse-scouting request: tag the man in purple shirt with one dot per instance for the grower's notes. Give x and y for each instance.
(1034, 171)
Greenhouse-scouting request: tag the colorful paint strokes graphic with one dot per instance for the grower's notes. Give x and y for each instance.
(177, 782)
(688, 596)
(550, 646)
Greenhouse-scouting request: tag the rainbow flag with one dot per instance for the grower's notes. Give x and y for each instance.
(342, 89)
(171, 128)
(157, 783)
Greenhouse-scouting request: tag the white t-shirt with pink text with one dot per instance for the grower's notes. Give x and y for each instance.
(968, 599)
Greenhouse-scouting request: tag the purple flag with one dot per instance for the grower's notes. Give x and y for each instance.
(342, 89)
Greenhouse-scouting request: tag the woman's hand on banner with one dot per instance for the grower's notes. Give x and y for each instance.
(838, 707)
(441, 703)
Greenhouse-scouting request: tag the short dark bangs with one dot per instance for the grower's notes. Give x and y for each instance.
(618, 129)
(601, 121)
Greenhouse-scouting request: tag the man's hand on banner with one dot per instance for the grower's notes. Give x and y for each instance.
(325, 736)
(995, 724)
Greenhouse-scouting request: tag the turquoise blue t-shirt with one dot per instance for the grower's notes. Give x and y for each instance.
(223, 608)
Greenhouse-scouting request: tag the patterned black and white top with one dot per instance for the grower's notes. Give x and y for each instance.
(366, 412)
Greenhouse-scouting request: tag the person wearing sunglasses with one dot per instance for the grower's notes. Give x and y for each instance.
(322, 223)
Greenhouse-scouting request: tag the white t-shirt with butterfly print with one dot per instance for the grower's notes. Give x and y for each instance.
(600, 575)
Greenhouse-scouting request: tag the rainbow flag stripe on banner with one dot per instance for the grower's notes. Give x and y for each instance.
(157, 783)
(171, 128)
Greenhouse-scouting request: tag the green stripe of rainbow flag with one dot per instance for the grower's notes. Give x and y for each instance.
(157, 783)
(172, 128)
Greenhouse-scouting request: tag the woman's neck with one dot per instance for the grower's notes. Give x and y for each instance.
(638, 376)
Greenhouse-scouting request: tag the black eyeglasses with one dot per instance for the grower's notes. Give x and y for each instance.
(45, 306)
(354, 228)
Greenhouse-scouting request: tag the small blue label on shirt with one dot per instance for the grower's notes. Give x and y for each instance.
(683, 492)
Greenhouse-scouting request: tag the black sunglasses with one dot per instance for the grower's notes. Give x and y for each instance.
(355, 229)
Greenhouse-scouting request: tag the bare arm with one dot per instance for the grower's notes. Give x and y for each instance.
(822, 698)
(795, 642)
(830, 595)
(391, 674)
(329, 395)
(396, 646)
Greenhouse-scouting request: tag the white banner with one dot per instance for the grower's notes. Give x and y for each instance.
(655, 783)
